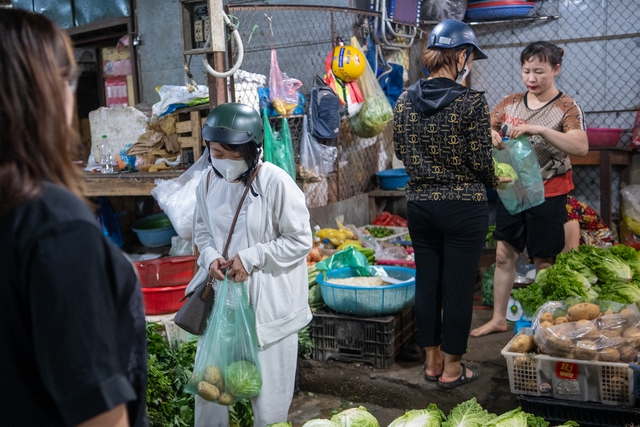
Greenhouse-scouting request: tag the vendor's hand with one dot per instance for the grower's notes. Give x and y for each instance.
(504, 180)
(218, 268)
(235, 269)
(496, 140)
(526, 129)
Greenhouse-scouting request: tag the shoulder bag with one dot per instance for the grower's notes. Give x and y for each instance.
(194, 313)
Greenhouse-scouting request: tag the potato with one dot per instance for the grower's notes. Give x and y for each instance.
(546, 324)
(546, 317)
(226, 398)
(613, 322)
(608, 312)
(607, 333)
(523, 344)
(208, 391)
(583, 310)
(618, 385)
(608, 355)
(631, 333)
(557, 344)
(560, 320)
(585, 350)
(220, 384)
(212, 375)
(628, 353)
(586, 329)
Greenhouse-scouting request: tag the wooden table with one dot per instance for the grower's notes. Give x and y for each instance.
(606, 158)
(124, 184)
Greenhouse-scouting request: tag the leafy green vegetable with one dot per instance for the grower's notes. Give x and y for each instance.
(575, 261)
(570, 424)
(553, 284)
(514, 418)
(241, 414)
(624, 293)
(468, 414)
(606, 265)
(315, 297)
(283, 424)
(487, 285)
(243, 379)
(504, 170)
(169, 370)
(355, 417)
(628, 255)
(533, 421)
(305, 344)
(317, 422)
(430, 417)
(374, 115)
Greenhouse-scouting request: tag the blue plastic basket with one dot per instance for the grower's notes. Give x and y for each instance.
(393, 179)
(498, 12)
(368, 300)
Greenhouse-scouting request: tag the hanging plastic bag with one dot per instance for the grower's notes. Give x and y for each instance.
(227, 368)
(278, 146)
(376, 111)
(283, 91)
(177, 197)
(527, 190)
(265, 102)
(630, 224)
(314, 157)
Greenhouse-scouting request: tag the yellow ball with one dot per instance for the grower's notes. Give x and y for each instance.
(348, 63)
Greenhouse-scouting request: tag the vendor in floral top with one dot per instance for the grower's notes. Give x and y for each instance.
(585, 227)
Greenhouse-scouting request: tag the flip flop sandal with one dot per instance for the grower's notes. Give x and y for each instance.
(431, 378)
(463, 379)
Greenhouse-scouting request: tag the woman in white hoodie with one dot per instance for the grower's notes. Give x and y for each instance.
(267, 251)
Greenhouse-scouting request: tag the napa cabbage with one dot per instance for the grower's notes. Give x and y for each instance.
(355, 417)
(430, 417)
(468, 414)
(514, 418)
(320, 423)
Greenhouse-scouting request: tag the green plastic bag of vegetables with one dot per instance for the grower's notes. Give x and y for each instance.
(376, 111)
(527, 190)
(278, 146)
(227, 367)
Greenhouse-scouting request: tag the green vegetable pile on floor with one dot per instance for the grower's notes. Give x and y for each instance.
(589, 273)
(466, 414)
(169, 370)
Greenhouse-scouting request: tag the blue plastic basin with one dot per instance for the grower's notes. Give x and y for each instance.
(393, 179)
(368, 300)
(154, 230)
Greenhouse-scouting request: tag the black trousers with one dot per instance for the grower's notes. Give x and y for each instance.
(447, 238)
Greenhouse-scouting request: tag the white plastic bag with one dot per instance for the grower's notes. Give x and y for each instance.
(315, 157)
(174, 97)
(177, 197)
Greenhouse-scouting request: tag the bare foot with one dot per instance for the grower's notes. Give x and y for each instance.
(489, 328)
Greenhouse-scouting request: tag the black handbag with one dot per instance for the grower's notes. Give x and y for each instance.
(194, 313)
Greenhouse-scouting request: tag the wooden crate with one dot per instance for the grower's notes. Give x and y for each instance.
(189, 130)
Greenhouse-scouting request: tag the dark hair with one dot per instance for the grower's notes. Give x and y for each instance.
(36, 64)
(250, 153)
(436, 59)
(544, 52)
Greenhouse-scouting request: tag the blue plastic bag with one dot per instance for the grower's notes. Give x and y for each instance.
(528, 190)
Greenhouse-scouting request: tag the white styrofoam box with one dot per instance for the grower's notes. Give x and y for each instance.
(399, 233)
(569, 379)
(172, 332)
(122, 125)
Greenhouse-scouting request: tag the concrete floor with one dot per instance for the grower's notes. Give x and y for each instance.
(328, 387)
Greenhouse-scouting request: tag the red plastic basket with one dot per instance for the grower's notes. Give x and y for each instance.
(163, 300)
(396, 262)
(603, 137)
(166, 271)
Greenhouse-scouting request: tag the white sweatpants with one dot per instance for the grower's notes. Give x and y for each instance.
(278, 363)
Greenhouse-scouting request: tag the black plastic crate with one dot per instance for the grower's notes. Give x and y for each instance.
(373, 340)
(587, 414)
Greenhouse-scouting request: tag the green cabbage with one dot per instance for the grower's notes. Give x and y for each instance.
(282, 424)
(320, 423)
(355, 417)
(514, 418)
(607, 266)
(468, 414)
(243, 379)
(430, 417)
(575, 261)
(504, 170)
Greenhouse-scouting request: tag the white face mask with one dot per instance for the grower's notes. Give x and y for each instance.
(462, 74)
(230, 169)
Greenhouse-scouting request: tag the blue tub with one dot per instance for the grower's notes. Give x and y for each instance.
(154, 230)
(393, 179)
(368, 300)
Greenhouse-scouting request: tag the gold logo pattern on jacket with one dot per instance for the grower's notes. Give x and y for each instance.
(448, 154)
